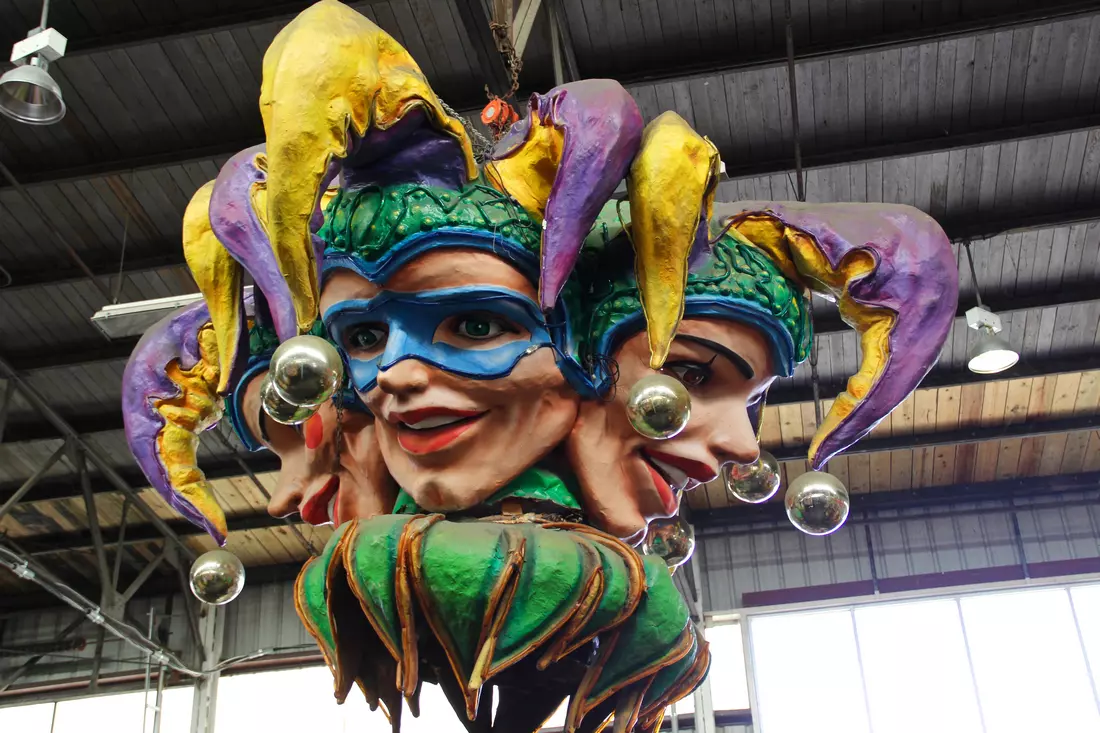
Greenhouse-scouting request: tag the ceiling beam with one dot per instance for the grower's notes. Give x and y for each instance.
(200, 24)
(473, 12)
(48, 274)
(158, 585)
(989, 22)
(714, 520)
(972, 229)
(53, 488)
(68, 487)
(476, 21)
(838, 155)
(35, 429)
(81, 540)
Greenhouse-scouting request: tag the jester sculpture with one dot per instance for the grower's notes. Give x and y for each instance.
(459, 348)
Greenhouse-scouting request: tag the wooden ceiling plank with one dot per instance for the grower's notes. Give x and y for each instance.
(1092, 452)
(881, 478)
(948, 406)
(924, 421)
(970, 415)
(1039, 408)
(901, 462)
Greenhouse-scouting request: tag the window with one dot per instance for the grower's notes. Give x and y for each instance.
(103, 714)
(997, 662)
(27, 718)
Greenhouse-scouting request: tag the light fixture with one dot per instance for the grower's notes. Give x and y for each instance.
(123, 320)
(990, 354)
(28, 93)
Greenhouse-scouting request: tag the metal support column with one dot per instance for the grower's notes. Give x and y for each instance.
(212, 635)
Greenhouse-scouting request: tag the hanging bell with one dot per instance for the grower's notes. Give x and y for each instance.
(217, 577)
(753, 483)
(658, 406)
(306, 370)
(817, 503)
(672, 539)
(278, 409)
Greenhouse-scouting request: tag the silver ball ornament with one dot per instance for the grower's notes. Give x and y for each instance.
(279, 409)
(817, 503)
(755, 482)
(217, 577)
(306, 370)
(658, 406)
(673, 540)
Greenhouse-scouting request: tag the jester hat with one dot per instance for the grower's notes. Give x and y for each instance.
(889, 267)
(363, 169)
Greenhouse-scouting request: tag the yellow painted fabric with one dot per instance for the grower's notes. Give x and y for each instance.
(798, 256)
(671, 186)
(329, 73)
(218, 276)
(197, 407)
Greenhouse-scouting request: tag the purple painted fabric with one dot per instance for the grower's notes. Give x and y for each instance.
(237, 227)
(602, 130)
(144, 382)
(410, 151)
(916, 276)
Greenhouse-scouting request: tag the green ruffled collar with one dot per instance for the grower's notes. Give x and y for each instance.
(534, 484)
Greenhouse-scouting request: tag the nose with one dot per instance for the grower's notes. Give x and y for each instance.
(286, 497)
(734, 439)
(406, 377)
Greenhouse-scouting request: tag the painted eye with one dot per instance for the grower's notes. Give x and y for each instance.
(480, 328)
(366, 336)
(690, 373)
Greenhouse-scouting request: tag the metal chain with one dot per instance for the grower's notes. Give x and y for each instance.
(481, 144)
(338, 402)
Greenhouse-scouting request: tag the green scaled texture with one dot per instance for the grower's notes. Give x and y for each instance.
(371, 221)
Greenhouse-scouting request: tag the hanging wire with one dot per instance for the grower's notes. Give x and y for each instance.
(122, 254)
(800, 195)
(973, 275)
(800, 190)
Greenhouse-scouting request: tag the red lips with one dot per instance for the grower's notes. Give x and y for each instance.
(696, 470)
(668, 498)
(315, 509)
(428, 440)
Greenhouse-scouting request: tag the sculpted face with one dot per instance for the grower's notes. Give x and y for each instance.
(309, 481)
(453, 359)
(628, 480)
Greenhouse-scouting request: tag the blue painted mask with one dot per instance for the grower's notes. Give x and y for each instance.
(442, 328)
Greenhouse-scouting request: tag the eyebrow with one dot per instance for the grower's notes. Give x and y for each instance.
(736, 359)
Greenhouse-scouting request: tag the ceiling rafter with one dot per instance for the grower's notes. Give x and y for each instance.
(120, 349)
(225, 467)
(1008, 21)
(80, 540)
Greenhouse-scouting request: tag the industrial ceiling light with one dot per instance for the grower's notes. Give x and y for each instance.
(28, 93)
(990, 354)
